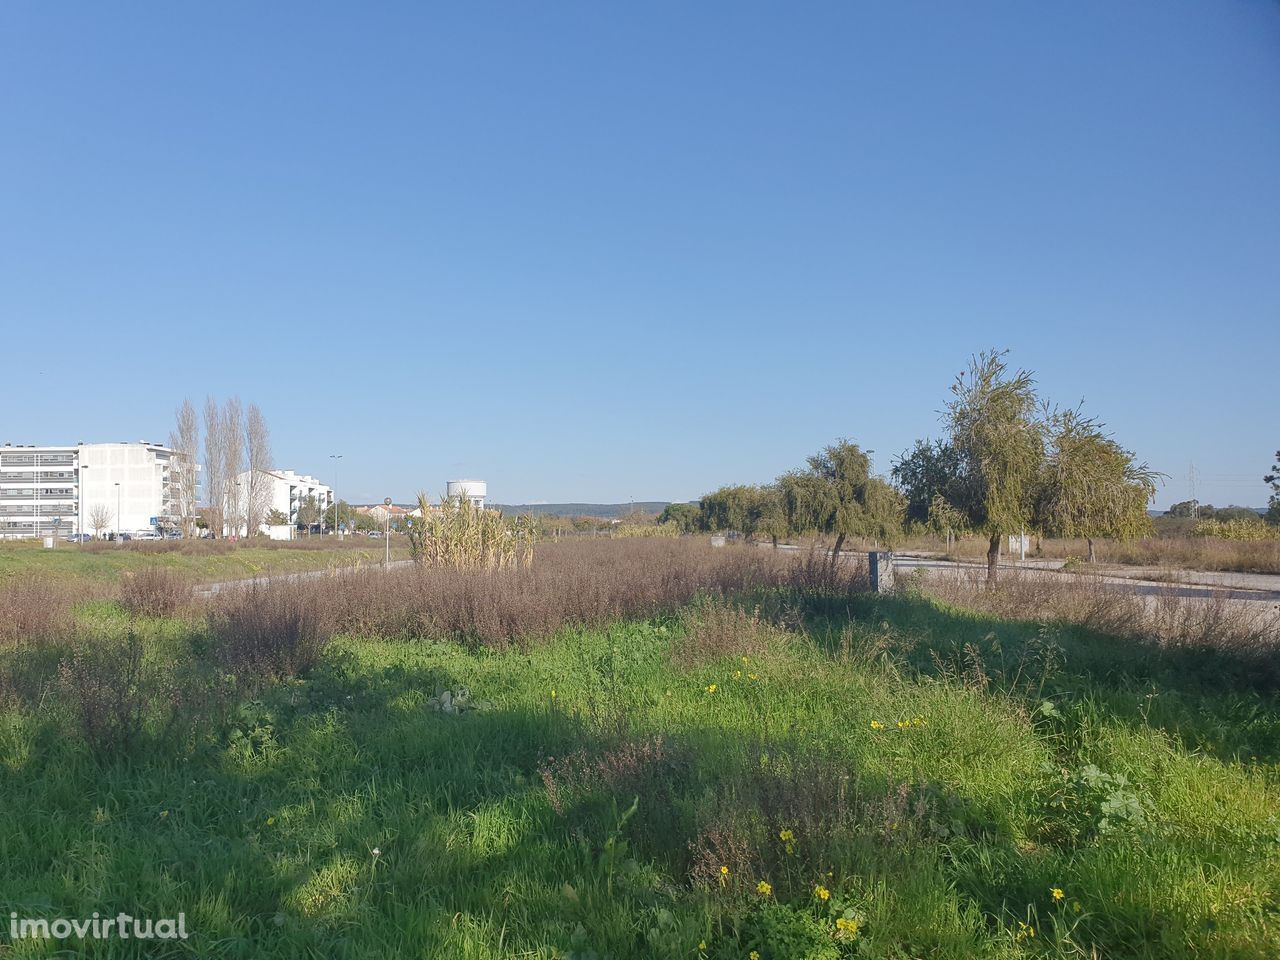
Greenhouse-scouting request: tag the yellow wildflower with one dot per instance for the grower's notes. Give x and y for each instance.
(848, 929)
(270, 821)
(754, 955)
(1057, 893)
(786, 835)
(753, 676)
(764, 888)
(877, 725)
(821, 892)
(702, 945)
(737, 674)
(553, 694)
(724, 871)
(711, 688)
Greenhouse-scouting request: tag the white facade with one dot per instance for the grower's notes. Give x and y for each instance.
(55, 491)
(286, 492)
(473, 490)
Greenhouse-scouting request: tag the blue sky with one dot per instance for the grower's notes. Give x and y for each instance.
(604, 251)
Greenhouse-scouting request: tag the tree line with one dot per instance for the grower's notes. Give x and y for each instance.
(1007, 461)
(236, 461)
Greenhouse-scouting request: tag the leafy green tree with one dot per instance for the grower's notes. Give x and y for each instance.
(1090, 486)
(308, 511)
(837, 495)
(277, 518)
(1183, 509)
(1273, 478)
(740, 507)
(999, 445)
(684, 515)
(931, 470)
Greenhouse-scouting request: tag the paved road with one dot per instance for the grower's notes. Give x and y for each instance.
(210, 589)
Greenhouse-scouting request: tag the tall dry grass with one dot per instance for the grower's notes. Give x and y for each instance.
(34, 610)
(1187, 553)
(1249, 629)
(579, 583)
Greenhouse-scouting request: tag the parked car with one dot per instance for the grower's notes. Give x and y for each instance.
(78, 538)
(146, 535)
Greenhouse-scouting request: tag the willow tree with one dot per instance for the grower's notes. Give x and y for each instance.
(838, 496)
(999, 447)
(742, 507)
(1090, 486)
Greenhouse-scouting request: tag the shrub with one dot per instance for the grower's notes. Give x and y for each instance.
(101, 682)
(270, 631)
(1246, 530)
(153, 592)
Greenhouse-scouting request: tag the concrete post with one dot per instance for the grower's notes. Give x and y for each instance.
(880, 565)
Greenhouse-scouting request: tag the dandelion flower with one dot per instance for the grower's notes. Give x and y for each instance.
(1057, 893)
(724, 871)
(764, 888)
(711, 688)
(821, 892)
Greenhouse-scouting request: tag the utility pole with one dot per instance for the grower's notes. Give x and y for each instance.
(1195, 504)
(118, 540)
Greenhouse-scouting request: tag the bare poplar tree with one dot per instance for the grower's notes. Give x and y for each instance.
(184, 440)
(233, 463)
(257, 450)
(215, 463)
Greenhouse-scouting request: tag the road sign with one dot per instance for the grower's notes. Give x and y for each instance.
(57, 522)
(154, 521)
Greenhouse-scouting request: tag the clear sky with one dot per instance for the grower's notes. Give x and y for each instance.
(594, 251)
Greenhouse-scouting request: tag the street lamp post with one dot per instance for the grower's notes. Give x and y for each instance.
(118, 539)
(386, 562)
(337, 518)
(80, 505)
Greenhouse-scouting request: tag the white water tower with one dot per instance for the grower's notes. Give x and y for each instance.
(473, 490)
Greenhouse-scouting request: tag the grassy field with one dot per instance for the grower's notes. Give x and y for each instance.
(780, 768)
(199, 560)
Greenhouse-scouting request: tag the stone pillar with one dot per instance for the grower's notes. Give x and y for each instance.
(880, 565)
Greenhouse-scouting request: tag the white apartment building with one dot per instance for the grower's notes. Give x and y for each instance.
(286, 492)
(56, 491)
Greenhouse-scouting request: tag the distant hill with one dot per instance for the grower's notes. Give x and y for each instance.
(608, 511)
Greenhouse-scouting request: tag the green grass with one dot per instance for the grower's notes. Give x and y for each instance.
(106, 563)
(1142, 785)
